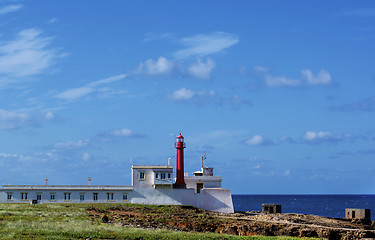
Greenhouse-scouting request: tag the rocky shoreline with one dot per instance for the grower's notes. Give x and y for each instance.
(187, 218)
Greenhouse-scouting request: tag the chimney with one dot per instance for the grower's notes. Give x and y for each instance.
(89, 183)
(46, 180)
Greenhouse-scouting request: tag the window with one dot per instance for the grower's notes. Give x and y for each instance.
(10, 196)
(162, 175)
(124, 197)
(24, 196)
(109, 196)
(169, 175)
(39, 196)
(95, 195)
(142, 176)
(67, 196)
(156, 175)
(52, 196)
(82, 197)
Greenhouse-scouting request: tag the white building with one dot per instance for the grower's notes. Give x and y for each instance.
(151, 184)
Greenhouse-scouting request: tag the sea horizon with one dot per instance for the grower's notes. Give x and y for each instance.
(326, 205)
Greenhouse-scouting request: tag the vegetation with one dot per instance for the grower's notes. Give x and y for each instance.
(72, 221)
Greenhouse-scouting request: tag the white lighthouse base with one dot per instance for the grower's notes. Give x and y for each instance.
(212, 199)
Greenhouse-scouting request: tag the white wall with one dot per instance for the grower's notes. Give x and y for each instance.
(217, 199)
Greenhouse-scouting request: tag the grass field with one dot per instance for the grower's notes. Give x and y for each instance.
(71, 221)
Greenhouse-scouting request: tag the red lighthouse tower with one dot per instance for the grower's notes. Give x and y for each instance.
(180, 145)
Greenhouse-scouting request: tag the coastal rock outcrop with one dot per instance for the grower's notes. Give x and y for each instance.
(184, 218)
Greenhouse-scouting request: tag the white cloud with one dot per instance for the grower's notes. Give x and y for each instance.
(286, 172)
(117, 134)
(75, 93)
(72, 145)
(205, 44)
(52, 20)
(196, 46)
(160, 66)
(256, 166)
(255, 140)
(202, 70)
(13, 119)
(260, 69)
(322, 136)
(258, 140)
(49, 116)
(182, 94)
(107, 80)
(307, 78)
(7, 155)
(123, 132)
(273, 81)
(10, 8)
(203, 97)
(21, 118)
(312, 135)
(86, 156)
(27, 55)
(323, 77)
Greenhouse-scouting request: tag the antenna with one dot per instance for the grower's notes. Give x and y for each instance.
(203, 158)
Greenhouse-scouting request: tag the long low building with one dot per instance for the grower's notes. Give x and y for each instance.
(64, 193)
(151, 184)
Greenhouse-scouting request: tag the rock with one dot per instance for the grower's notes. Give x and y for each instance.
(104, 218)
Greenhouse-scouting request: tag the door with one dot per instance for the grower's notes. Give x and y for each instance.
(199, 187)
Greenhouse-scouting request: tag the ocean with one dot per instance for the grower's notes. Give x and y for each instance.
(321, 205)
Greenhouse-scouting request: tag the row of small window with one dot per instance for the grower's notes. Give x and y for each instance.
(24, 196)
(142, 175)
(162, 175)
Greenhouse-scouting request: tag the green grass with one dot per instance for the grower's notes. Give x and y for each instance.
(71, 221)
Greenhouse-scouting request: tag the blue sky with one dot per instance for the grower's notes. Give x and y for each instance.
(279, 95)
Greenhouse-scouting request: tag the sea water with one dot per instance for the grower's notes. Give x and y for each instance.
(321, 205)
